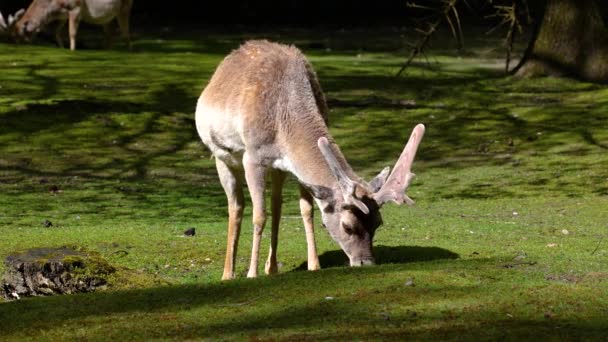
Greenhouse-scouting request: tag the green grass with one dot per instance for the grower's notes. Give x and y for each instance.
(507, 239)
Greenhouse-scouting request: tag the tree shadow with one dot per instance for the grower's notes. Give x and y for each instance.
(217, 295)
(479, 124)
(386, 255)
(36, 117)
(55, 117)
(246, 307)
(465, 126)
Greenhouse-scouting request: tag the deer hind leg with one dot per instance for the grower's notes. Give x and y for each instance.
(123, 19)
(109, 37)
(307, 211)
(59, 33)
(232, 182)
(278, 179)
(255, 176)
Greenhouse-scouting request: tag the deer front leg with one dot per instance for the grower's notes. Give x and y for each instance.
(232, 182)
(255, 176)
(307, 211)
(74, 20)
(278, 178)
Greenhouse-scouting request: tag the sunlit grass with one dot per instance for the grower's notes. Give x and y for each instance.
(507, 239)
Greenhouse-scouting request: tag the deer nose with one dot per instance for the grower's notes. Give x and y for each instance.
(26, 28)
(362, 262)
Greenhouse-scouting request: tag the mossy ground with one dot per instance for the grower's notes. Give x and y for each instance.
(507, 239)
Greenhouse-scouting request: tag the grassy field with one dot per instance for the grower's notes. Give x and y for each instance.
(507, 239)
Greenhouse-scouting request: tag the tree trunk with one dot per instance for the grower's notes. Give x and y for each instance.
(571, 40)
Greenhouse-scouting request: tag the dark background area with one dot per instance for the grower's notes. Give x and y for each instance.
(297, 13)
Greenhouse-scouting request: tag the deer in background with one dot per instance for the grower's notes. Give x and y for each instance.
(6, 25)
(100, 12)
(263, 113)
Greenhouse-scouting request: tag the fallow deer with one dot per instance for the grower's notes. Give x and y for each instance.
(263, 112)
(6, 25)
(99, 12)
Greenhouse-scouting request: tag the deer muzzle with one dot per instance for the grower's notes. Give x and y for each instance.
(365, 261)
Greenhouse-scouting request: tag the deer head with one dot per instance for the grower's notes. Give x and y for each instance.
(39, 14)
(7, 26)
(351, 211)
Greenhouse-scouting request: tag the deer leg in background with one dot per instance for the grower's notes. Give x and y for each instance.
(123, 21)
(232, 182)
(255, 176)
(74, 20)
(278, 179)
(59, 33)
(107, 29)
(307, 211)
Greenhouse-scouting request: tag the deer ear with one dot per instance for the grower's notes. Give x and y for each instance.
(3, 25)
(319, 191)
(347, 185)
(12, 19)
(351, 200)
(378, 181)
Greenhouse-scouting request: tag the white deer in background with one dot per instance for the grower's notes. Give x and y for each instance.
(263, 112)
(41, 12)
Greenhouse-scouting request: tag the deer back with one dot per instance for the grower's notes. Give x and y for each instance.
(265, 98)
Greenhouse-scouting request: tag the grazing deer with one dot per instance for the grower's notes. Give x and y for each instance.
(264, 112)
(6, 26)
(100, 12)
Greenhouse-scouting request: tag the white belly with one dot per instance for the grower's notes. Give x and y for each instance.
(100, 11)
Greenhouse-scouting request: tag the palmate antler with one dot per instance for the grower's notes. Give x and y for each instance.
(393, 186)
(399, 180)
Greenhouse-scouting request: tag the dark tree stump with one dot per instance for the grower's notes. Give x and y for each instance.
(50, 271)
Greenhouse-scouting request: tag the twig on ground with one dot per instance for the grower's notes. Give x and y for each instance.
(529, 263)
(124, 253)
(241, 303)
(598, 245)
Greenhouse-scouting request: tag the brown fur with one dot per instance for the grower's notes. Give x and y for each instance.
(42, 12)
(264, 109)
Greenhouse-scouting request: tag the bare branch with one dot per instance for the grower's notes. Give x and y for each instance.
(444, 14)
(460, 35)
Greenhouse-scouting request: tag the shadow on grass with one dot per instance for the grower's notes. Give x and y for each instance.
(56, 118)
(473, 116)
(43, 116)
(474, 119)
(386, 255)
(250, 307)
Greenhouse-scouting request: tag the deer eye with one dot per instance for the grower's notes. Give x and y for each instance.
(350, 230)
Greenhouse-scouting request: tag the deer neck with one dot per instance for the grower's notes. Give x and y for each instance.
(307, 161)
